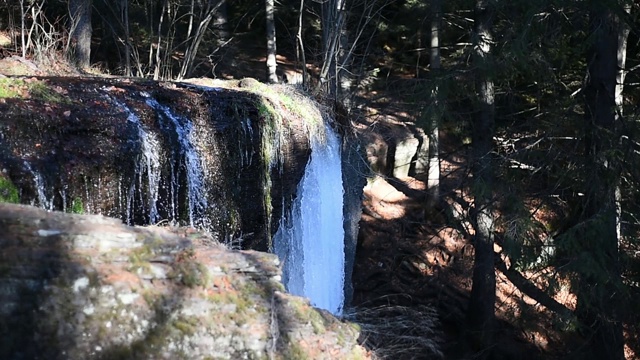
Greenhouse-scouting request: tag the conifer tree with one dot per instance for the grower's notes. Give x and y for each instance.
(481, 313)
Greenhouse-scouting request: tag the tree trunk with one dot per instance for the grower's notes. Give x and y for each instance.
(221, 24)
(158, 63)
(194, 43)
(80, 21)
(124, 8)
(598, 292)
(481, 313)
(23, 30)
(271, 42)
(301, 58)
(433, 177)
(334, 39)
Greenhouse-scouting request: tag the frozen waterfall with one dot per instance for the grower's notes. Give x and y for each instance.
(310, 240)
(149, 162)
(183, 128)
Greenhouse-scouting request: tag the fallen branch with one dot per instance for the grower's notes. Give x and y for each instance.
(528, 288)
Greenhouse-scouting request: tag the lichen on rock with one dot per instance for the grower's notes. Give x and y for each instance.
(89, 287)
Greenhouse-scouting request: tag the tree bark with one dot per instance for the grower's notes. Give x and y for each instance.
(23, 29)
(124, 18)
(433, 177)
(271, 42)
(80, 21)
(598, 291)
(302, 59)
(334, 39)
(481, 311)
(158, 63)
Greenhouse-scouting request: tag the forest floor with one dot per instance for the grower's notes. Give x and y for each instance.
(418, 255)
(411, 257)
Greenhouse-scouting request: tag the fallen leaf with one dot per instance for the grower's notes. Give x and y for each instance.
(67, 113)
(60, 90)
(115, 89)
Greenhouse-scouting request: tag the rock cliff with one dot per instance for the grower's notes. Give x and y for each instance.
(88, 287)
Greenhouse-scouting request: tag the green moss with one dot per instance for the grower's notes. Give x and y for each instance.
(295, 352)
(77, 206)
(192, 273)
(139, 258)
(242, 302)
(10, 88)
(187, 326)
(8, 191)
(308, 314)
(355, 327)
(149, 296)
(14, 88)
(188, 271)
(40, 90)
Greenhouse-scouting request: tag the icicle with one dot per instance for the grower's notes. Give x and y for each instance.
(151, 163)
(195, 176)
(244, 146)
(310, 241)
(38, 181)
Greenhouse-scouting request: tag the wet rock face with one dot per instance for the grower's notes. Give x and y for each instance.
(89, 287)
(76, 145)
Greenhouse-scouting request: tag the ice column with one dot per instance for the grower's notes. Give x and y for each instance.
(310, 240)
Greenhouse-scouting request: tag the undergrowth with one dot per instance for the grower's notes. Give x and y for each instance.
(399, 332)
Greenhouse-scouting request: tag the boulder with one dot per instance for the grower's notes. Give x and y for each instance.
(89, 287)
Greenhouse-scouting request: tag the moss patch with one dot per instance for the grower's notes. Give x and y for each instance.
(18, 88)
(307, 314)
(8, 192)
(188, 271)
(77, 206)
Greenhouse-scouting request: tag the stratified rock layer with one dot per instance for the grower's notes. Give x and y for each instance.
(89, 287)
(76, 145)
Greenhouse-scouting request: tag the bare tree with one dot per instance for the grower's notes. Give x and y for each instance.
(335, 45)
(271, 42)
(23, 29)
(481, 310)
(302, 59)
(162, 57)
(126, 40)
(194, 40)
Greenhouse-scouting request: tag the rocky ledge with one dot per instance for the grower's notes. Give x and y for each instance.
(89, 287)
